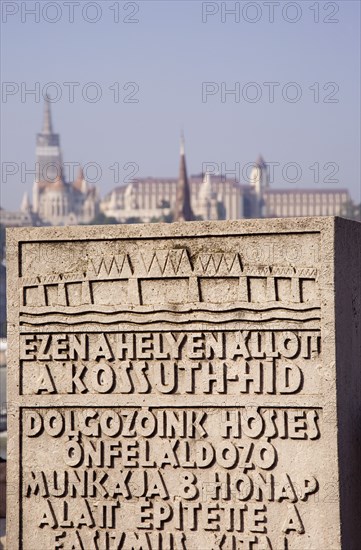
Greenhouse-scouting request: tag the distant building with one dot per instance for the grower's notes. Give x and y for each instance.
(214, 197)
(148, 199)
(19, 218)
(55, 201)
(61, 203)
(206, 197)
(285, 203)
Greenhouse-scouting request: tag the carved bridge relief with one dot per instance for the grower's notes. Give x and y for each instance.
(171, 276)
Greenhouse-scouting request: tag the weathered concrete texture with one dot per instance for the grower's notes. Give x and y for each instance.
(348, 377)
(189, 386)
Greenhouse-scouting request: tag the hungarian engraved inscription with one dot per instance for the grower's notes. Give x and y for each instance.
(184, 376)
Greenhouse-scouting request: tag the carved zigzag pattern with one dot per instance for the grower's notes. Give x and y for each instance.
(165, 263)
(111, 266)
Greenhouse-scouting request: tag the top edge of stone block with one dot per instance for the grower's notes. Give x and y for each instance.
(197, 228)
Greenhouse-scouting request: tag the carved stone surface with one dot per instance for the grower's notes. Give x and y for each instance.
(190, 386)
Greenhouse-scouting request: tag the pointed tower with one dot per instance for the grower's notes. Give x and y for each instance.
(47, 124)
(48, 153)
(80, 183)
(183, 210)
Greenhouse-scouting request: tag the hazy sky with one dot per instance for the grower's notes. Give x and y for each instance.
(176, 61)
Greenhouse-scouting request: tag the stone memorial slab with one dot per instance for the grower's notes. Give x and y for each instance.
(193, 386)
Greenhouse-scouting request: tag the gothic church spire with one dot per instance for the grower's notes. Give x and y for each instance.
(47, 124)
(183, 210)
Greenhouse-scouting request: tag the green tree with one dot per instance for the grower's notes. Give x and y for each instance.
(102, 219)
(221, 211)
(351, 210)
(164, 218)
(133, 219)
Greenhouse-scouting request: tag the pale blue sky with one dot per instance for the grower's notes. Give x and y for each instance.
(169, 53)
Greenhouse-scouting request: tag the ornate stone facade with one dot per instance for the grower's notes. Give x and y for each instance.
(212, 197)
